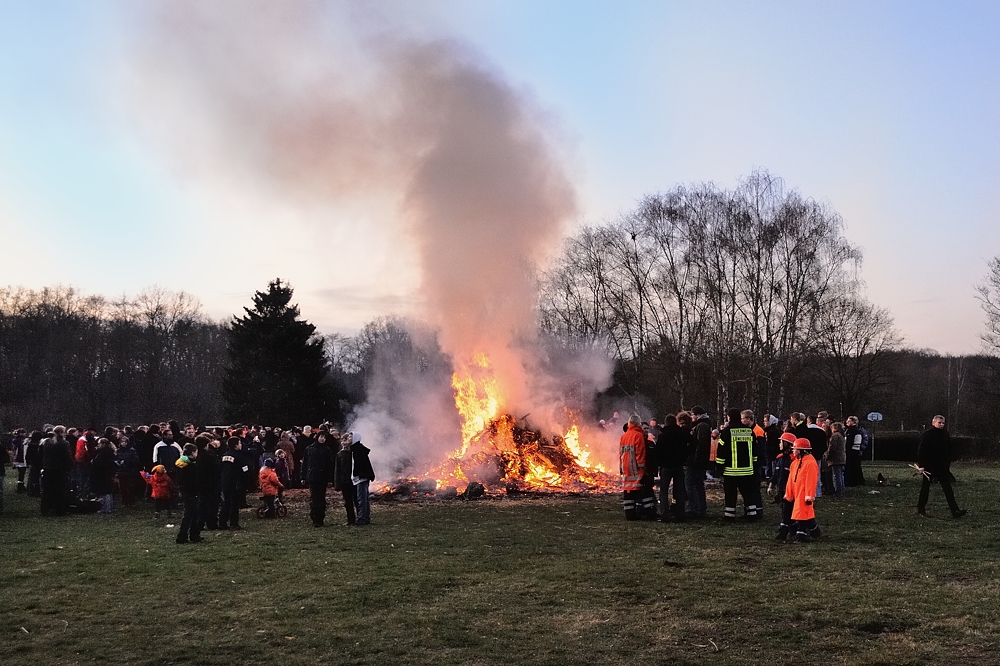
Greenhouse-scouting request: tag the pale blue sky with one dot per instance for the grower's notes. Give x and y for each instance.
(888, 111)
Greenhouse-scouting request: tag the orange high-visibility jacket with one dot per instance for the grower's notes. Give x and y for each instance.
(269, 483)
(632, 452)
(801, 486)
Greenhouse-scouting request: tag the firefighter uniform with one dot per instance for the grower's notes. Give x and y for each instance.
(639, 501)
(737, 456)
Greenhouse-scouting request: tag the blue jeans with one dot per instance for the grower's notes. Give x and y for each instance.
(362, 502)
(838, 480)
(694, 480)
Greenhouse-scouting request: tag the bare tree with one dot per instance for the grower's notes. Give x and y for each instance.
(988, 293)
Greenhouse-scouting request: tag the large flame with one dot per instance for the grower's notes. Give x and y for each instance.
(504, 455)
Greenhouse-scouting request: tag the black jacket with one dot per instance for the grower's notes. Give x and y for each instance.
(362, 464)
(344, 470)
(209, 471)
(233, 468)
(317, 464)
(701, 448)
(672, 447)
(934, 451)
(102, 473)
(187, 479)
(57, 457)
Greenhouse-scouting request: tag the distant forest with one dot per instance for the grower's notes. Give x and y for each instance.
(746, 298)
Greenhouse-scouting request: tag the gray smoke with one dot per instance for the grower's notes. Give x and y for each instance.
(320, 104)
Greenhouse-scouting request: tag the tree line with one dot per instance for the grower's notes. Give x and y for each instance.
(747, 297)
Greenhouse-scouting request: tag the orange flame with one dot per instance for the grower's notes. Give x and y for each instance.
(499, 454)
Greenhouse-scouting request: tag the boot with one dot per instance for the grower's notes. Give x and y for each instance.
(782, 532)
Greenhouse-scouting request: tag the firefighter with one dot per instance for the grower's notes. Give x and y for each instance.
(737, 456)
(639, 501)
(800, 494)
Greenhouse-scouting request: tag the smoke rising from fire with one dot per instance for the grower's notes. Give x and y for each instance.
(322, 104)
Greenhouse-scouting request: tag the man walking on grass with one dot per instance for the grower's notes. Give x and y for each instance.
(934, 462)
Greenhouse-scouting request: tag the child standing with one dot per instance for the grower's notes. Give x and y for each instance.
(800, 494)
(162, 489)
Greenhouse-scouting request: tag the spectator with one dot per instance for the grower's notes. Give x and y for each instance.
(103, 470)
(362, 476)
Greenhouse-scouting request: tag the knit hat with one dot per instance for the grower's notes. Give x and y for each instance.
(802, 444)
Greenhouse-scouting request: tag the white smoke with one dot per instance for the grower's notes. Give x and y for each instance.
(318, 105)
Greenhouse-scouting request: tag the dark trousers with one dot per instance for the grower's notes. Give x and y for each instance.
(55, 489)
(229, 513)
(269, 505)
(749, 488)
(673, 475)
(348, 495)
(949, 494)
(34, 480)
(208, 511)
(854, 474)
(189, 522)
(317, 503)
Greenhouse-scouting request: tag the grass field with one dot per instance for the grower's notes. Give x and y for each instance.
(528, 581)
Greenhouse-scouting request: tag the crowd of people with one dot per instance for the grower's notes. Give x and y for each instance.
(799, 459)
(207, 472)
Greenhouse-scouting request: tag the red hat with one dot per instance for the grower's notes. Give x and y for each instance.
(802, 444)
(788, 437)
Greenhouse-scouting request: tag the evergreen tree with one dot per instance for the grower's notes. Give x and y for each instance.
(276, 363)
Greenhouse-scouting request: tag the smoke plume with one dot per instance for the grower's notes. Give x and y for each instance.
(319, 105)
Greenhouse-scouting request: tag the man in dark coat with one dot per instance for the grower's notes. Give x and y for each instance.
(934, 461)
(57, 463)
(209, 482)
(318, 468)
(342, 476)
(233, 470)
(698, 462)
(672, 449)
(854, 474)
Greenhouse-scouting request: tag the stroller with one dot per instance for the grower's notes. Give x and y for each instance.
(280, 510)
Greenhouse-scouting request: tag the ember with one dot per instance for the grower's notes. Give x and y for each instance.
(510, 457)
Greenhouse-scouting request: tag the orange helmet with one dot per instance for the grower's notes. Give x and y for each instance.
(802, 444)
(788, 437)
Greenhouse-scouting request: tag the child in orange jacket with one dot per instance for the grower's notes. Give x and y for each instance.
(269, 485)
(800, 495)
(163, 489)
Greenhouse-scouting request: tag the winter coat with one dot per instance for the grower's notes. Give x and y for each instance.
(269, 483)
(209, 472)
(57, 456)
(672, 447)
(632, 457)
(934, 451)
(187, 477)
(102, 472)
(700, 452)
(837, 453)
(362, 463)
(801, 487)
(163, 486)
(318, 464)
(344, 470)
(233, 470)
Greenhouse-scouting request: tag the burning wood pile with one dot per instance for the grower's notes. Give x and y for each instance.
(510, 457)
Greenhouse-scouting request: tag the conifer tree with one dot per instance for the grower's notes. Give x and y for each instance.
(276, 363)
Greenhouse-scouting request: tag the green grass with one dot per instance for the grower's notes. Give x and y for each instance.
(529, 581)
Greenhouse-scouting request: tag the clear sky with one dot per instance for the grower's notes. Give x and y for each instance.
(887, 111)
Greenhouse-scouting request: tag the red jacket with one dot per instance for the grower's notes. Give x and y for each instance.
(269, 483)
(632, 452)
(82, 452)
(801, 487)
(163, 487)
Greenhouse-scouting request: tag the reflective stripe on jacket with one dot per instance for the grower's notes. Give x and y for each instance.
(736, 452)
(632, 452)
